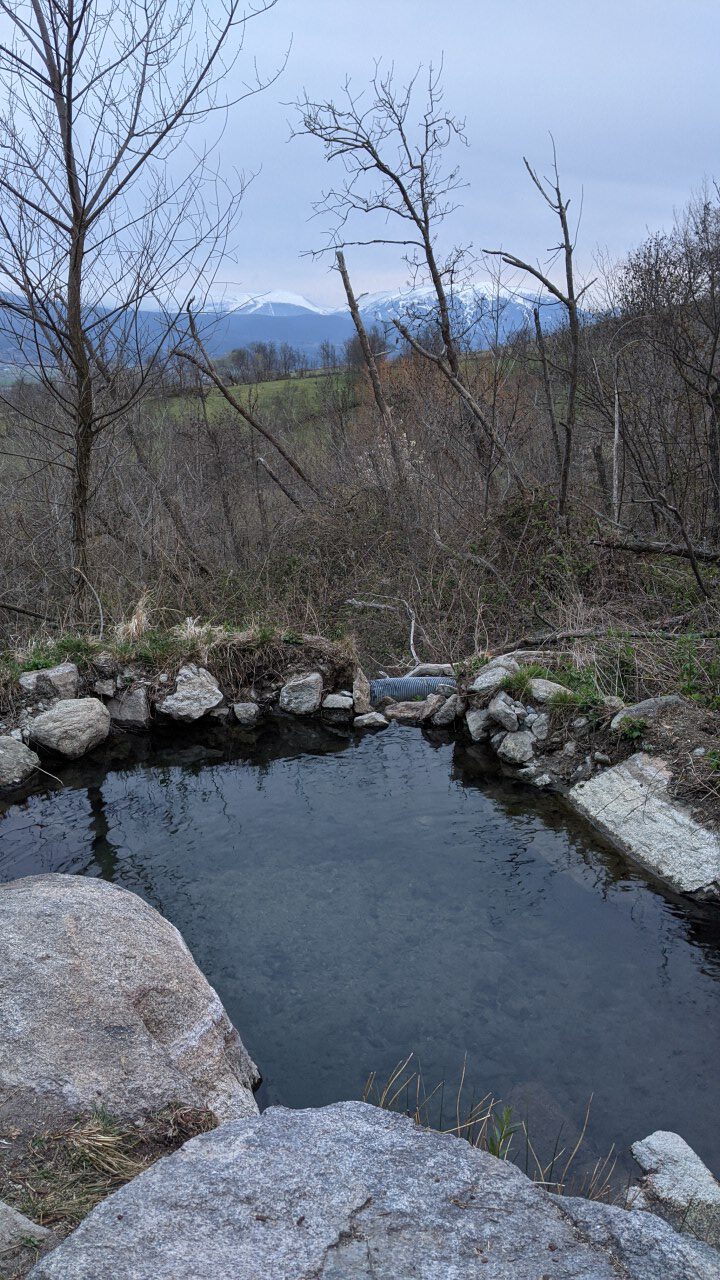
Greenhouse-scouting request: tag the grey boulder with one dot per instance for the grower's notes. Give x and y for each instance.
(351, 1192)
(72, 727)
(103, 1005)
(450, 712)
(541, 726)
(361, 693)
(16, 1230)
(131, 709)
(648, 709)
(247, 714)
(678, 1186)
(540, 690)
(415, 712)
(480, 724)
(503, 712)
(302, 695)
(371, 720)
(196, 692)
(493, 675)
(517, 748)
(338, 702)
(52, 682)
(17, 762)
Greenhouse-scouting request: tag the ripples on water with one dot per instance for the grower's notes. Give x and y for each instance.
(353, 899)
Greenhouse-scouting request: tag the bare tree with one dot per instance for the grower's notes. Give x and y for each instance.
(673, 282)
(396, 175)
(569, 297)
(100, 245)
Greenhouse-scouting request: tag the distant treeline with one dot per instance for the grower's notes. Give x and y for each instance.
(270, 361)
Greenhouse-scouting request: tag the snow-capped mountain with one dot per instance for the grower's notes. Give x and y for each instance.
(277, 302)
(482, 311)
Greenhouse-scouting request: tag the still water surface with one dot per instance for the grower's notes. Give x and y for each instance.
(356, 899)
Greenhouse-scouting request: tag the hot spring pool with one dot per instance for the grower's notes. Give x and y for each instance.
(355, 899)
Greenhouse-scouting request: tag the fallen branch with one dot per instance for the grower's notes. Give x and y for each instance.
(592, 633)
(207, 368)
(29, 613)
(658, 549)
(273, 476)
(470, 556)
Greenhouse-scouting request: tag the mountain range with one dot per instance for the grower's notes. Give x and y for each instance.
(485, 312)
(482, 312)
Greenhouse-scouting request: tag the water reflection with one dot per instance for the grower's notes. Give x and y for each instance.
(353, 899)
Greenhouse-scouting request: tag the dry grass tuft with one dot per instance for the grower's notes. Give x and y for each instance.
(490, 1127)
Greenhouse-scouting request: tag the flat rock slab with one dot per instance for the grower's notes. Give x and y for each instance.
(338, 702)
(678, 1186)
(361, 693)
(103, 1005)
(17, 763)
(72, 727)
(630, 803)
(351, 1192)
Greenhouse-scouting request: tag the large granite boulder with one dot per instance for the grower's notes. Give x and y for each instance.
(351, 1192)
(52, 682)
(678, 1186)
(631, 803)
(301, 696)
(503, 711)
(103, 1005)
(72, 727)
(17, 763)
(196, 693)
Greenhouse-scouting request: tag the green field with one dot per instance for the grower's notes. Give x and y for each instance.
(306, 396)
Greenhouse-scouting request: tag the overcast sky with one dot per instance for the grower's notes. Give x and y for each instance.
(629, 89)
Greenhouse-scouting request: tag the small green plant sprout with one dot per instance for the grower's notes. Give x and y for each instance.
(633, 727)
(713, 759)
(501, 1133)
(292, 637)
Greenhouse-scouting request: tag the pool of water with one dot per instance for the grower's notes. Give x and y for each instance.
(355, 899)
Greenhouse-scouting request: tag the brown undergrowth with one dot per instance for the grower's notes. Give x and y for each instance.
(56, 1177)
